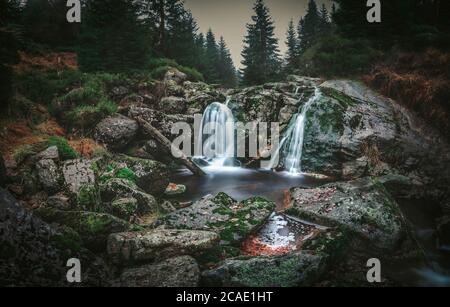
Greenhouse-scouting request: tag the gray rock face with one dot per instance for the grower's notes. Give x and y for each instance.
(78, 173)
(48, 174)
(33, 253)
(443, 234)
(174, 272)
(175, 75)
(59, 202)
(233, 221)
(157, 245)
(116, 132)
(50, 153)
(2, 171)
(116, 188)
(173, 105)
(363, 206)
(292, 270)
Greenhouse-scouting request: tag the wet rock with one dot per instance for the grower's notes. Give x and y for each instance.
(157, 245)
(49, 175)
(116, 132)
(78, 173)
(173, 105)
(355, 169)
(233, 221)
(292, 270)
(175, 75)
(151, 176)
(363, 206)
(94, 228)
(175, 189)
(50, 153)
(33, 253)
(125, 208)
(121, 188)
(175, 272)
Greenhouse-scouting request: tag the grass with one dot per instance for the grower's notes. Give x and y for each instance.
(66, 152)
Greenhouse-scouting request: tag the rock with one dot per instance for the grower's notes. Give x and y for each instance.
(121, 188)
(78, 173)
(116, 132)
(151, 176)
(59, 202)
(355, 169)
(233, 221)
(2, 172)
(157, 245)
(154, 149)
(175, 189)
(175, 75)
(33, 253)
(300, 269)
(50, 153)
(48, 174)
(399, 186)
(175, 272)
(159, 120)
(94, 228)
(119, 92)
(125, 208)
(173, 105)
(363, 206)
(443, 234)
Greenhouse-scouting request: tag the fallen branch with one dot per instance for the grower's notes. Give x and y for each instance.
(167, 144)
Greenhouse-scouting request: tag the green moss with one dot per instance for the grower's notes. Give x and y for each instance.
(66, 152)
(88, 198)
(68, 239)
(24, 152)
(126, 173)
(218, 254)
(344, 100)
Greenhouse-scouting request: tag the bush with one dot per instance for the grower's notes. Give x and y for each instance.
(159, 67)
(66, 152)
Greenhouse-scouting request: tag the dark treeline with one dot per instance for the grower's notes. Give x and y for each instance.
(118, 35)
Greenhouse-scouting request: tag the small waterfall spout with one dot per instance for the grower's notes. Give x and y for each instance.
(216, 140)
(292, 143)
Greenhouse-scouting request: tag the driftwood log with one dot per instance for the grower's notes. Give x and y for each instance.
(167, 144)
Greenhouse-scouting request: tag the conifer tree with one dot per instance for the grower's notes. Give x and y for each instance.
(112, 37)
(324, 20)
(227, 72)
(261, 55)
(211, 58)
(292, 44)
(310, 27)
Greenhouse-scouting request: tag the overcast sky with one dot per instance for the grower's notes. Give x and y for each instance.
(229, 17)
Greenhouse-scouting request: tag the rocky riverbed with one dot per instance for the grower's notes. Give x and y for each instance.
(123, 213)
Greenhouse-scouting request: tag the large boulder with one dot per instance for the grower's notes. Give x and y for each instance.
(77, 174)
(151, 176)
(175, 75)
(175, 272)
(363, 207)
(116, 188)
(116, 131)
(233, 221)
(157, 245)
(173, 105)
(49, 175)
(33, 253)
(94, 228)
(292, 270)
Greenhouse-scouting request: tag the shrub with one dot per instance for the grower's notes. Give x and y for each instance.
(66, 152)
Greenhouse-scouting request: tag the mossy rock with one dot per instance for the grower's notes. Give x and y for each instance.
(125, 208)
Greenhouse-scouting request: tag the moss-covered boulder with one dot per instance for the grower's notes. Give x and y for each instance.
(116, 188)
(94, 228)
(116, 131)
(232, 220)
(363, 207)
(157, 245)
(125, 208)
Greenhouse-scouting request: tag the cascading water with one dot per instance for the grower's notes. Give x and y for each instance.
(292, 143)
(216, 139)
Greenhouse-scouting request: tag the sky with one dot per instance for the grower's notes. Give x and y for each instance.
(228, 18)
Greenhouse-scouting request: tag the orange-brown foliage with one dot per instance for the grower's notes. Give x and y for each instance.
(50, 61)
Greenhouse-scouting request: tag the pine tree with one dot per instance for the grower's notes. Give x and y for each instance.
(292, 44)
(227, 72)
(112, 37)
(324, 20)
(261, 55)
(311, 26)
(211, 58)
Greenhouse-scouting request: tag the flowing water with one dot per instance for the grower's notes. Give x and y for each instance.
(293, 141)
(216, 140)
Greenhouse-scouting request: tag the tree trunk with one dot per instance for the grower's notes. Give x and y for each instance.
(167, 144)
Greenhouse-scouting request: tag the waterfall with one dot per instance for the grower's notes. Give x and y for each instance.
(292, 143)
(216, 140)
